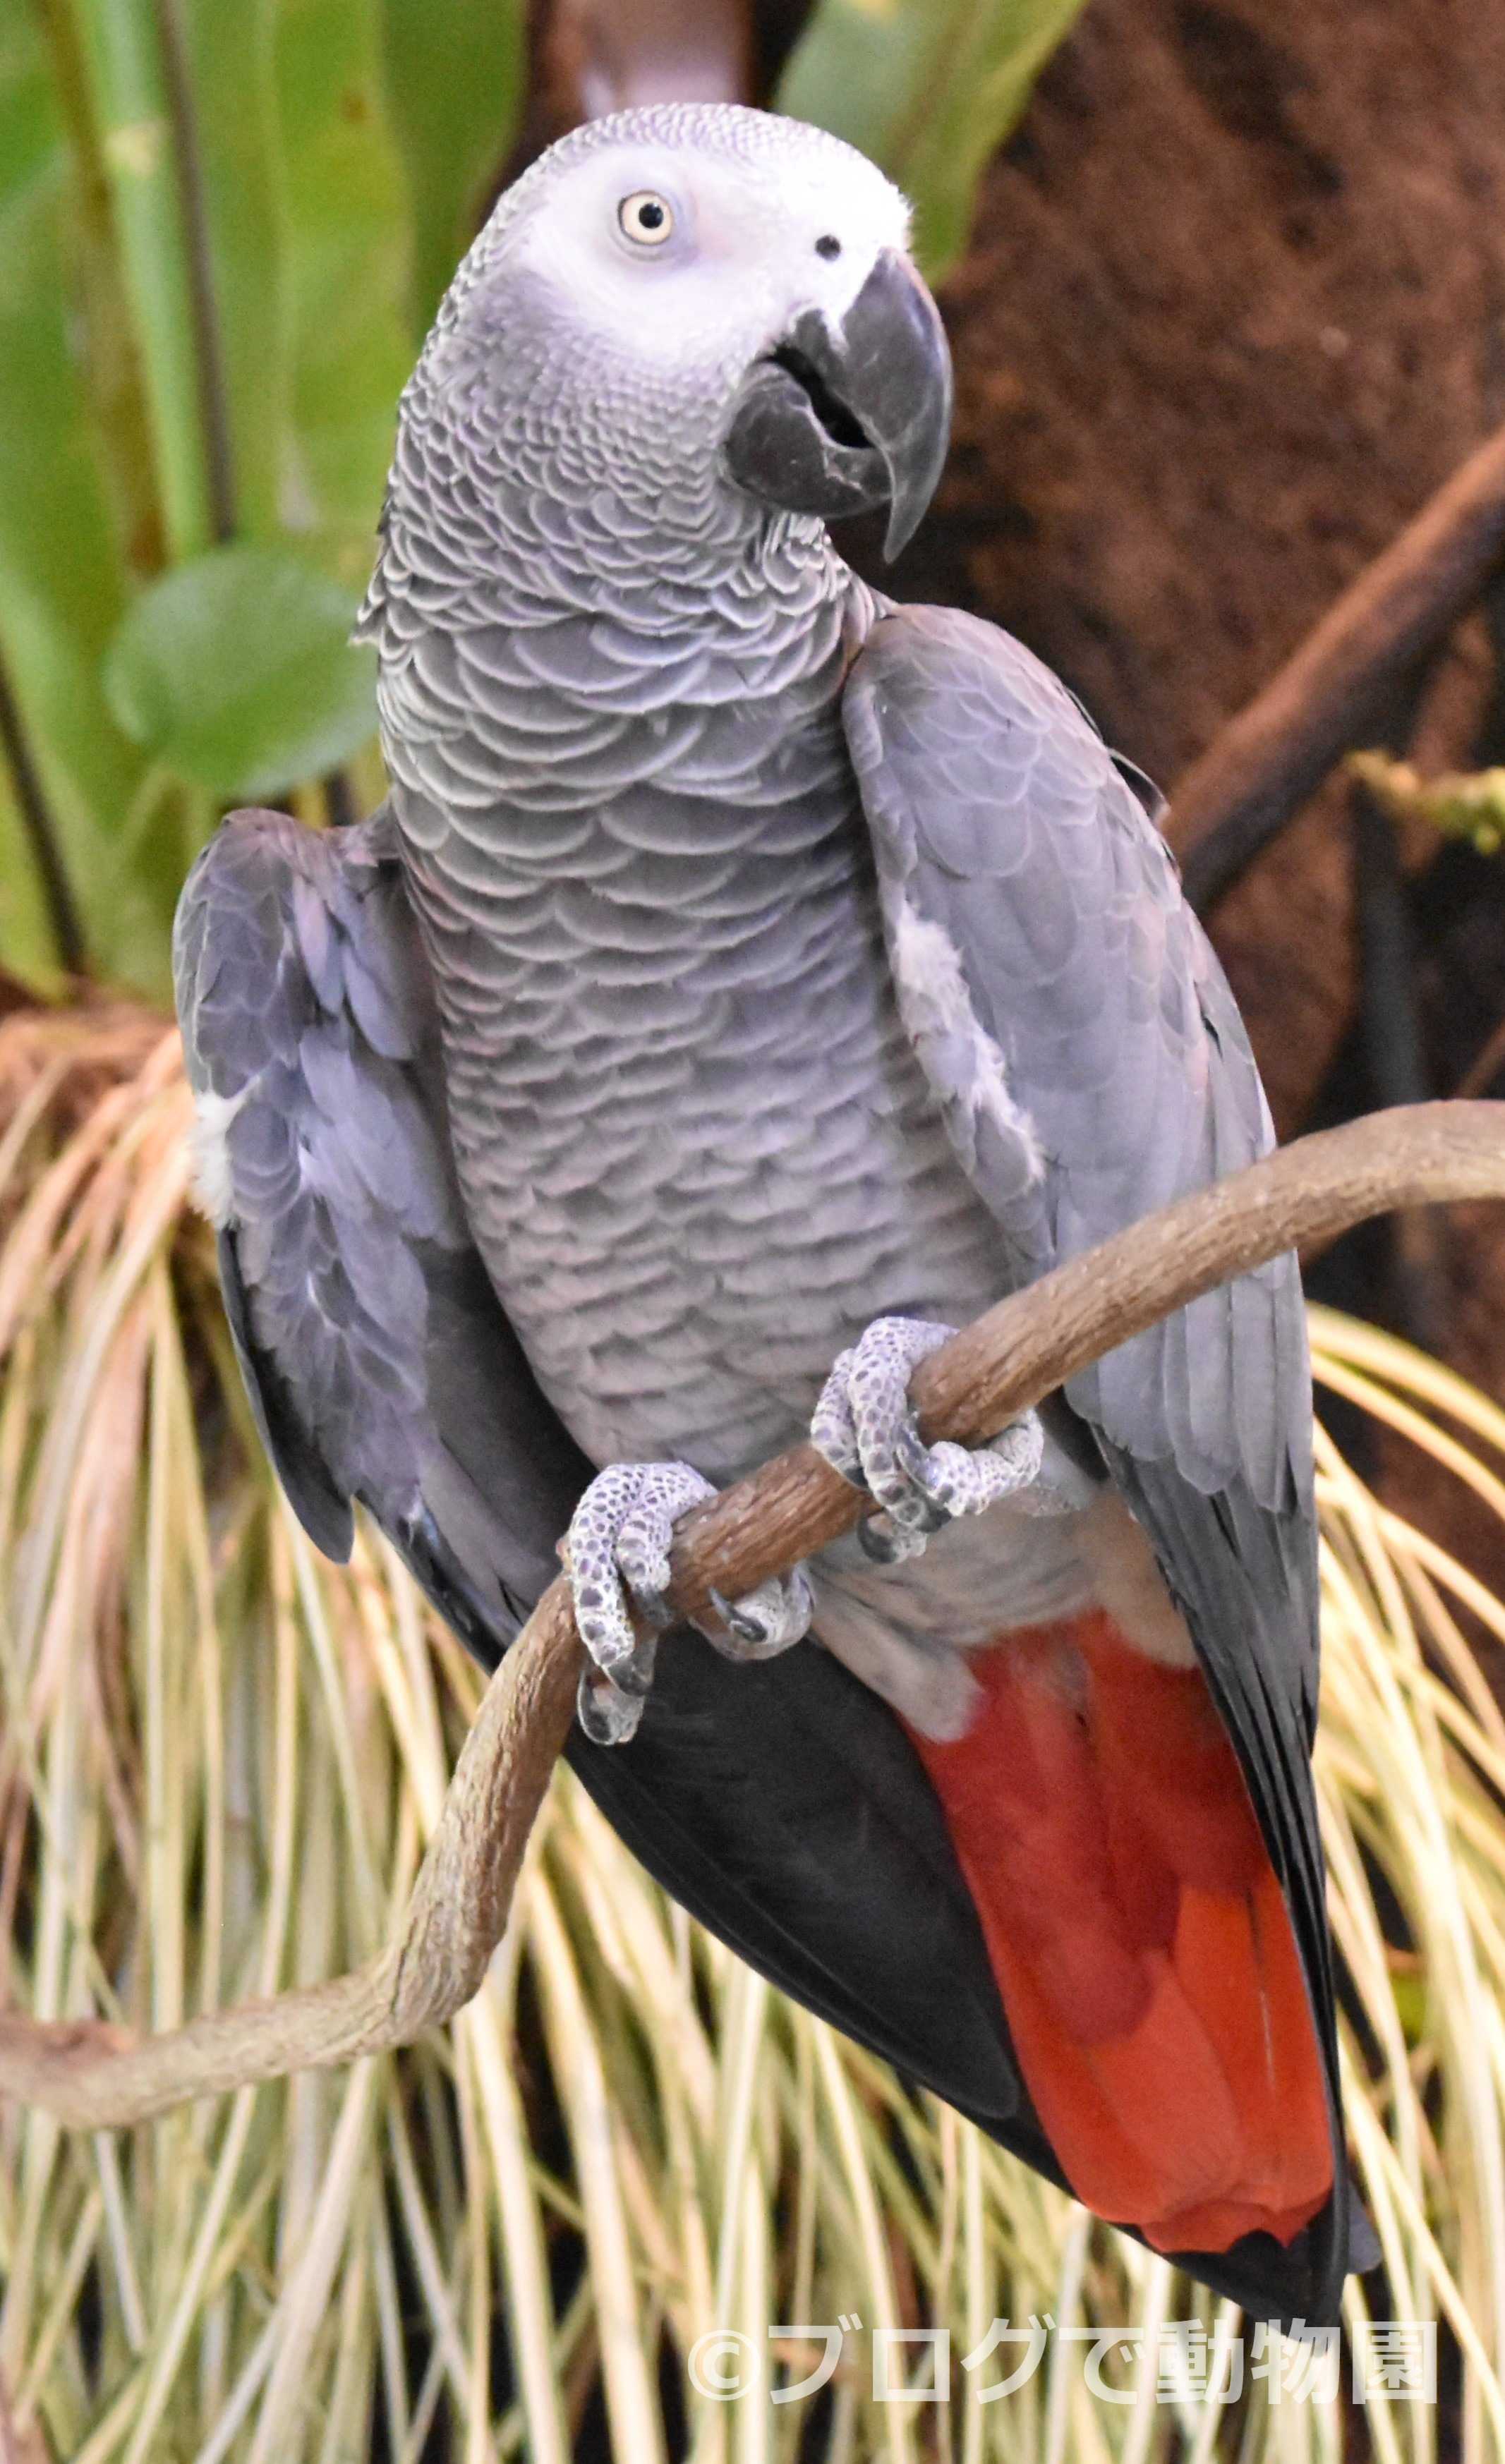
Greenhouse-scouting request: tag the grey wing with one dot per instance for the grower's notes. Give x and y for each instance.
(1092, 1065)
(379, 1363)
(1002, 821)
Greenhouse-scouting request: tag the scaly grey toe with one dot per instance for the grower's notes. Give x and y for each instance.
(864, 1427)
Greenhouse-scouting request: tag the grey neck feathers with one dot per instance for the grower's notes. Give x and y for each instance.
(560, 623)
(552, 474)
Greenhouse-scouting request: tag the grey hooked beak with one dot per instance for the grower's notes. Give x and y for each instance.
(838, 422)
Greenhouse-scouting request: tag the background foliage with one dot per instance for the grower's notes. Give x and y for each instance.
(224, 227)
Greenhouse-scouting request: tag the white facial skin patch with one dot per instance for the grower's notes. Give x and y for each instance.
(727, 256)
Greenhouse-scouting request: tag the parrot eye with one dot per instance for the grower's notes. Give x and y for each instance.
(646, 217)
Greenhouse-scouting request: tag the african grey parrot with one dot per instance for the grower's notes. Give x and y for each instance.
(746, 979)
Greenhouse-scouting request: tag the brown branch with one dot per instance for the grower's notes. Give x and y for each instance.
(1265, 764)
(89, 2076)
(1482, 1071)
(92, 2075)
(1395, 1056)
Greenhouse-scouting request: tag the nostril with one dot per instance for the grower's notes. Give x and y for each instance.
(828, 246)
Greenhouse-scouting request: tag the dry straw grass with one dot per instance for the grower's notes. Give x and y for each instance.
(219, 1762)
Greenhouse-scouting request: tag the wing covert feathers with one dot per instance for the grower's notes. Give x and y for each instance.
(378, 1360)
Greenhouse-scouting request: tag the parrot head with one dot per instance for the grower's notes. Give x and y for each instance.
(740, 286)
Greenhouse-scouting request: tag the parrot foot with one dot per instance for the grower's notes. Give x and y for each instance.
(865, 1429)
(616, 1552)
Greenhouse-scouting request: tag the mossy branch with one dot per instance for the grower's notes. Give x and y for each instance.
(92, 2077)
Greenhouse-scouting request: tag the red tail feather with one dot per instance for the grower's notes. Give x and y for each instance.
(1139, 1938)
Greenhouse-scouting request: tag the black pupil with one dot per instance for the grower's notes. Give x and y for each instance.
(828, 247)
(649, 217)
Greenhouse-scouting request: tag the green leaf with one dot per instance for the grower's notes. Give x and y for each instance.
(455, 104)
(351, 259)
(120, 51)
(231, 53)
(309, 225)
(1462, 805)
(235, 672)
(61, 586)
(929, 89)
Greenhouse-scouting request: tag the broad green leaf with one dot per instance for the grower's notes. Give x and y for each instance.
(350, 244)
(929, 89)
(231, 46)
(101, 327)
(456, 85)
(62, 587)
(307, 225)
(120, 46)
(235, 672)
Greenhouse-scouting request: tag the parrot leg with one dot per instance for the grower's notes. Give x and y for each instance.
(617, 1554)
(865, 1429)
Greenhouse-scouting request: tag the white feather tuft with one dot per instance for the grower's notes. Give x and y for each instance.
(209, 1152)
(936, 1008)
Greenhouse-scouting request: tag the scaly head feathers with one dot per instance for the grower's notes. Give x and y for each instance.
(708, 292)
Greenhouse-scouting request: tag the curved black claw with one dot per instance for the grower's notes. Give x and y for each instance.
(608, 1712)
(766, 1621)
(886, 1544)
(617, 1551)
